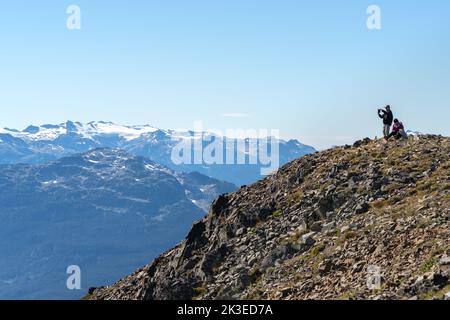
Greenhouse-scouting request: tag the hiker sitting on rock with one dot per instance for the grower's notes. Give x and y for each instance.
(398, 130)
(387, 117)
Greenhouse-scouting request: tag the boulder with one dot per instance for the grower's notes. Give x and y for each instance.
(280, 252)
(316, 227)
(196, 232)
(447, 296)
(362, 208)
(308, 239)
(330, 226)
(445, 261)
(240, 232)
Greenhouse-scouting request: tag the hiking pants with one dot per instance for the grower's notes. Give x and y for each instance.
(386, 130)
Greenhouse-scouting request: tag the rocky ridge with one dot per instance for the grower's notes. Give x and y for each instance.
(368, 221)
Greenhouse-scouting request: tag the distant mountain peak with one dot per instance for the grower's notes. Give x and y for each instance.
(31, 129)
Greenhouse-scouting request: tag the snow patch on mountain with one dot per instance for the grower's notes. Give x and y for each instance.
(413, 133)
(109, 128)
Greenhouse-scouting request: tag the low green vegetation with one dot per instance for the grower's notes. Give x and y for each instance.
(255, 274)
(437, 294)
(315, 254)
(199, 291)
(317, 249)
(270, 270)
(276, 213)
(349, 235)
(427, 265)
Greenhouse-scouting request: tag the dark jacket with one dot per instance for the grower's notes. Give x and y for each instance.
(387, 116)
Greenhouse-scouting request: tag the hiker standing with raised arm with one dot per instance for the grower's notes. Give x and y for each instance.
(387, 117)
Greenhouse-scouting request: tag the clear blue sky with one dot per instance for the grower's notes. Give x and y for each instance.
(309, 68)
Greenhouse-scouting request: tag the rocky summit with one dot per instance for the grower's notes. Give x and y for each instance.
(368, 221)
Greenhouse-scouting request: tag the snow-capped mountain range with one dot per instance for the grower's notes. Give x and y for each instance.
(88, 131)
(106, 211)
(40, 144)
